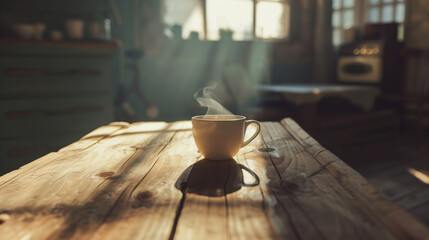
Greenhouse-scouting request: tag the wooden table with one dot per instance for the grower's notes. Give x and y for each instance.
(362, 96)
(147, 181)
(307, 96)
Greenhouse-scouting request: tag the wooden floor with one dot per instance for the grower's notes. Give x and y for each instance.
(398, 176)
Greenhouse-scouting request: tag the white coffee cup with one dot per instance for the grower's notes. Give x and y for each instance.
(220, 137)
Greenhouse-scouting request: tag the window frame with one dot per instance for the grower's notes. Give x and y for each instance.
(254, 14)
(288, 33)
(361, 9)
(341, 10)
(380, 5)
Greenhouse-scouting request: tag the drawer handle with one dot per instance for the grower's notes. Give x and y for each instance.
(38, 112)
(39, 72)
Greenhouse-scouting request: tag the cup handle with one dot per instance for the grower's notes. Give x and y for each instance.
(256, 182)
(248, 122)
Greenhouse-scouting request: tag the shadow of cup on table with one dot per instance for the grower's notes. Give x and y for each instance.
(214, 178)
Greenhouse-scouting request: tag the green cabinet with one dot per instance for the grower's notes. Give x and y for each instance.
(51, 94)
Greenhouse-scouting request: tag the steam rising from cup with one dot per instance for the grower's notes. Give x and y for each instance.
(205, 97)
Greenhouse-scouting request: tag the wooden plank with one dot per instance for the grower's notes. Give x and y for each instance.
(21, 212)
(390, 169)
(415, 199)
(280, 219)
(279, 210)
(389, 214)
(147, 207)
(147, 181)
(220, 205)
(87, 141)
(17, 152)
(70, 198)
(204, 211)
(326, 208)
(29, 117)
(421, 213)
(399, 186)
(252, 209)
(396, 181)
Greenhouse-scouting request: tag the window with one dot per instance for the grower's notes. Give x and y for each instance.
(272, 20)
(186, 13)
(343, 18)
(246, 19)
(347, 14)
(386, 11)
(230, 15)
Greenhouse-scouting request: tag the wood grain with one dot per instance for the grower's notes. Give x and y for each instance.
(148, 181)
(394, 219)
(328, 210)
(72, 195)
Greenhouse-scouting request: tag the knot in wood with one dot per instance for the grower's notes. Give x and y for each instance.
(58, 209)
(4, 217)
(105, 174)
(144, 195)
(268, 149)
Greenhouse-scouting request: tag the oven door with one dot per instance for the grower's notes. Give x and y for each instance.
(359, 69)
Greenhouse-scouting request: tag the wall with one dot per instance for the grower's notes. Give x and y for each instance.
(172, 70)
(416, 79)
(171, 79)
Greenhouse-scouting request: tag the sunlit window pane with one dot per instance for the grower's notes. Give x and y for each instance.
(373, 15)
(374, 1)
(272, 20)
(234, 15)
(349, 3)
(186, 13)
(336, 19)
(348, 18)
(336, 4)
(387, 15)
(336, 37)
(400, 13)
(401, 32)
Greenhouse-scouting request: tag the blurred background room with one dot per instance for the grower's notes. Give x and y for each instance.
(353, 73)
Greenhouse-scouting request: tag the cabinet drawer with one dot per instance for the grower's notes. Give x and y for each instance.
(29, 117)
(47, 76)
(17, 152)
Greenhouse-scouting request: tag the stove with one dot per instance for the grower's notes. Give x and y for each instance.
(375, 63)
